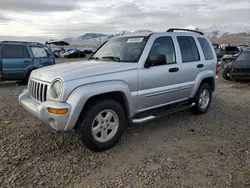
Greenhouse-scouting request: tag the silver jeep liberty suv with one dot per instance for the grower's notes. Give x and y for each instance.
(137, 77)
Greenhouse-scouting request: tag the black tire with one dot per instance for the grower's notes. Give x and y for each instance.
(25, 81)
(225, 72)
(197, 109)
(89, 115)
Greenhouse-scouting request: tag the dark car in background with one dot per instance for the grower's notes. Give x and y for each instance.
(230, 53)
(18, 59)
(238, 69)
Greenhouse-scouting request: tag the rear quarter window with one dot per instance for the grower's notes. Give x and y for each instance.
(206, 48)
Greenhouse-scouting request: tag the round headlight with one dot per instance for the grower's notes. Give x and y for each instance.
(56, 89)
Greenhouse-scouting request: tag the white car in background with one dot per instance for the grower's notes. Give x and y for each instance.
(67, 52)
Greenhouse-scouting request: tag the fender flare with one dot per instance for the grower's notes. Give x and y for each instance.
(79, 96)
(200, 77)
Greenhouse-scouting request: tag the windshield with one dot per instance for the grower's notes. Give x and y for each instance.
(124, 49)
(245, 56)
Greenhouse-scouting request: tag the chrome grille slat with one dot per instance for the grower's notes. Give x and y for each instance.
(41, 93)
(38, 90)
(45, 92)
(35, 90)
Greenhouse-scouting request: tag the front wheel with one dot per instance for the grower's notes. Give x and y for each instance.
(225, 73)
(102, 125)
(203, 99)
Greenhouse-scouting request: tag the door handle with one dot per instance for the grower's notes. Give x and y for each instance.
(176, 69)
(200, 66)
(27, 61)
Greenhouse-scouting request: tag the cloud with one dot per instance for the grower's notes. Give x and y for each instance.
(45, 17)
(4, 19)
(38, 5)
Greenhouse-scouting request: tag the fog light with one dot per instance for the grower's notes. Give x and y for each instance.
(57, 111)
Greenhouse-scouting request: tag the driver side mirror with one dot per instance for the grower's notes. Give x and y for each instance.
(157, 60)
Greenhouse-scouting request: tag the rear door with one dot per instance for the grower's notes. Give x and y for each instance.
(15, 59)
(191, 64)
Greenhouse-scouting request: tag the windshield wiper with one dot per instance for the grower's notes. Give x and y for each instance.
(112, 57)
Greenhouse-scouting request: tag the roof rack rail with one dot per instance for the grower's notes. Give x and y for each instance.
(179, 29)
(21, 42)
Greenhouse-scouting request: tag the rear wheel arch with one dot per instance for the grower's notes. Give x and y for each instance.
(210, 81)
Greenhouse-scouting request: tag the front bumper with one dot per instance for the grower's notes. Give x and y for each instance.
(56, 121)
(240, 76)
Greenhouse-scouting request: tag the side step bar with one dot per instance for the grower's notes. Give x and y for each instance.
(171, 111)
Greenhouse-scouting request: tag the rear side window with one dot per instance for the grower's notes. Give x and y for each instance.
(14, 51)
(189, 50)
(208, 53)
(39, 52)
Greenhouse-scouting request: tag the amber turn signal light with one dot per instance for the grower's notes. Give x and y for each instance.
(57, 111)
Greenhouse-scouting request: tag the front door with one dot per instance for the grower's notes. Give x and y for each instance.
(15, 60)
(159, 83)
(41, 57)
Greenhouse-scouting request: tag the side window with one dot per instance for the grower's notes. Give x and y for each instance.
(163, 48)
(208, 53)
(189, 50)
(39, 52)
(14, 51)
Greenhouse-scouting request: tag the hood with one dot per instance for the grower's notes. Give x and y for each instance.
(82, 69)
(244, 64)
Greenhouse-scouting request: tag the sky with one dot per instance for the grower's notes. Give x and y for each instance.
(39, 19)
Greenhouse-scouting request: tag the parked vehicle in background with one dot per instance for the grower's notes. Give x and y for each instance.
(76, 54)
(223, 46)
(18, 59)
(238, 69)
(57, 47)
(157, 73)
(247, 49)
(219, 52)
(230, 54)
(215, 45)
(242, 47)
(67, 52)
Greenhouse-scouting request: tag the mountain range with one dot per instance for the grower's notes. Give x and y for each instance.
(232, 34)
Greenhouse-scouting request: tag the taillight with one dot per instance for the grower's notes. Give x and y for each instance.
(217, 68)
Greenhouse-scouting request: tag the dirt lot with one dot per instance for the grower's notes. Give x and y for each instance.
(181, 150)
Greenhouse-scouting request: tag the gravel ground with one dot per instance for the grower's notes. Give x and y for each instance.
(180, 150)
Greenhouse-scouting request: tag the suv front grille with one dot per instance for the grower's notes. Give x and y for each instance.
(38, 90)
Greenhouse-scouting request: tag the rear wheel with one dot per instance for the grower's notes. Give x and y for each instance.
(102, 125)
(203, 99)
(25, 81)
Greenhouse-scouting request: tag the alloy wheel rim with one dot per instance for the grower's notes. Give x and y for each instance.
(105, 125)
(204, 99)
